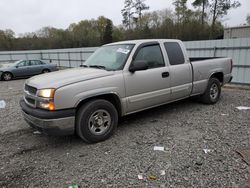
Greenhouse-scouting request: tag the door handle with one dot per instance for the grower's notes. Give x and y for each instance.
(165, 74)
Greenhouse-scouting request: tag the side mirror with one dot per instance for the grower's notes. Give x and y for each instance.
(138, 65)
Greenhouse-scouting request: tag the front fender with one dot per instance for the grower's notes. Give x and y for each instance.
(95, 93)
(65, 98)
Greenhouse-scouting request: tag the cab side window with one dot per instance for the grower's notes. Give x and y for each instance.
(152, 55)
(175, 54)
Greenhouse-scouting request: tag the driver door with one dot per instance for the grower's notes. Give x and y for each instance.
(151, 87)
(35, 67)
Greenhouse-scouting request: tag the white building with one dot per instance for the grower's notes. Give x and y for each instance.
(237, 32)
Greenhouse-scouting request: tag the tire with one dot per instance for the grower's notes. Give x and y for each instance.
(45, 71)
(7, 76)
(213, 91)
(96, 121)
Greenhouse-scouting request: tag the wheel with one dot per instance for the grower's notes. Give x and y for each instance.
(213, 91)
(96, 121)
(45, 71)
(7, 76)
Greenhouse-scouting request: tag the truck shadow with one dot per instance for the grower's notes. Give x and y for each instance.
(28, 142)
(155, 113)
(146, 116)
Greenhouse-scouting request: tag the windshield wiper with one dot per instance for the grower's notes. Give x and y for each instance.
(84, 66)
(98, 66)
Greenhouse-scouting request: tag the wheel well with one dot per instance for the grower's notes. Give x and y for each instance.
(113, 98)
(219, 76)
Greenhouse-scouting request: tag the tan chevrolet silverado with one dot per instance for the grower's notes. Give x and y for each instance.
(120, 79)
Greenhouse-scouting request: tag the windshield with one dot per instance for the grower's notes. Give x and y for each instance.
(15, 63)
(111, 57)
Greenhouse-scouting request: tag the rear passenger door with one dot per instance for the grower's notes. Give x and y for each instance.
(180, 71)
(147, 88)
(35, 67)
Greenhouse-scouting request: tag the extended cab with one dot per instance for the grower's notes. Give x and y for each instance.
(120, 79)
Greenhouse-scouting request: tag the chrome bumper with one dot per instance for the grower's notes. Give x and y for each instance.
(60, 126)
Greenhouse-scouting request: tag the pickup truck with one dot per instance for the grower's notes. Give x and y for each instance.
(120, 79)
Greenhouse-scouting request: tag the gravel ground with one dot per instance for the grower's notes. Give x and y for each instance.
(183, 128)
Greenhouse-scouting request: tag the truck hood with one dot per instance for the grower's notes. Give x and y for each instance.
(64, 77)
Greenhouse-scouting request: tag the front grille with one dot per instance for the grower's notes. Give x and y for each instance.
(30, 95)
(31, 101)
(30, 89)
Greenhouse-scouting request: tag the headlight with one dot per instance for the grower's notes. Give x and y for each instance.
(48, 105)
(48, 102)
(46, 93)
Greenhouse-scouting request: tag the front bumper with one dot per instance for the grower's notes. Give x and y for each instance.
(49, 122)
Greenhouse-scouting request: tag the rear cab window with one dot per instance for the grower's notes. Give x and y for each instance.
(175, 53)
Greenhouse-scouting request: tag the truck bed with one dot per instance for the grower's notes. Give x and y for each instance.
(203, 67)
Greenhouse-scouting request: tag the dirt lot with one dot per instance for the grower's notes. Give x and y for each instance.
(184, 128)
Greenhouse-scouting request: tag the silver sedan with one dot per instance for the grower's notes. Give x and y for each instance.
(25, 68)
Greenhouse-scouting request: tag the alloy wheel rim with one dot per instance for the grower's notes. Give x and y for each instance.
(99, 122)
(214, 91)
(7, 76)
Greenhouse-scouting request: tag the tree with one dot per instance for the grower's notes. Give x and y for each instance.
(248, 19)
(180, 9)
(219, 8)
(203, 4)
(9, 33)
(86, 33)
(101, 25)
(118, 33)
(95, 32)
(127, 13)
(139, 7)
(6, 39)
(107, 38)
(44, 32)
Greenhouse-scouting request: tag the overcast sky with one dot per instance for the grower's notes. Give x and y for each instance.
(30, 15)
